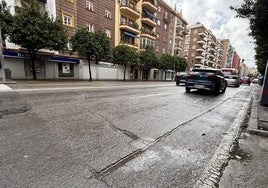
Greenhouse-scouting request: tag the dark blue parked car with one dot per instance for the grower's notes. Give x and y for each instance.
(206, 79)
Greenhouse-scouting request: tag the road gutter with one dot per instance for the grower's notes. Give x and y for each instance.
(211, 175)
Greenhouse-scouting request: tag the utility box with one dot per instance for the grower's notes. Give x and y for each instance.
(8, 74)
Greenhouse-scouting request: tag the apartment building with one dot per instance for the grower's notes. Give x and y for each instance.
(228, 53)
(236, 61)
(136, 23)
(180, 25)
(202, 48)
(164, 29)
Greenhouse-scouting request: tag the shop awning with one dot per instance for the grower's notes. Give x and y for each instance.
(130, 34)
(64, 59)
(151, 15)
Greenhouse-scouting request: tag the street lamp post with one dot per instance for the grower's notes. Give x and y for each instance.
(2, 58)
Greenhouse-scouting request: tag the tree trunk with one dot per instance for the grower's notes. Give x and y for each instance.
(125, 72)
(32, 62)
(89, 69)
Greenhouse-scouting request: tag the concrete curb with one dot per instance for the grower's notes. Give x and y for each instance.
(253, 125)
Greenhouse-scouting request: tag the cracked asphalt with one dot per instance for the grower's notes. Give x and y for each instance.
(116, 134)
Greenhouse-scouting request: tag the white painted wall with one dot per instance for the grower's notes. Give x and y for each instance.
(102, 72)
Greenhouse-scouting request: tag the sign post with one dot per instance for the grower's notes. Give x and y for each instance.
(264, 93)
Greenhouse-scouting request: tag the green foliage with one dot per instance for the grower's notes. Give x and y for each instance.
(34, 29)
(124, 55)
(84, 43)
(168, 61)
(257, 13)
(103, 52)
(148, 58)
(6, 19)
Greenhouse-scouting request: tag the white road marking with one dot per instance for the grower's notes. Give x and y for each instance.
(4, 88)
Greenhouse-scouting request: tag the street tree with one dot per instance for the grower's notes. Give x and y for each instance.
(256, 11)
(166, 62)
(148, 60)
(34, 30)
(103, 52)
(6, 19)
(91, 45)
(124, 55)
(180, 63)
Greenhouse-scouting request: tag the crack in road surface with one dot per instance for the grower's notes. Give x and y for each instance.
(121, 162)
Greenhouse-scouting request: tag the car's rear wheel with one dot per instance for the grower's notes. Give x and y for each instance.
(187, 89)
(224, 89)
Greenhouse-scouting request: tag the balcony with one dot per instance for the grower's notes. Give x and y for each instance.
(201, 34)
(130, 10)
(131, 45)
(198, 57)
(178, 36)
(200, 50)
(128, 26)
(149, 5)
(178, 47)
(148, 33)
(149, 21)
(167, 19)
(180, 26)
(201, 41)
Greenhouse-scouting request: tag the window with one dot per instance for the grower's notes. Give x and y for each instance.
(159, 9)
(164, 50)
(90, 27)
(108, 14)
(124, 2)
(158, 35)
(170, 41)
(166, 15)
(90, 5)
(123, 20)
(157, 48)
(158, 23)
(108, 33)
(67, 19)
(165, 39)
(165, 26)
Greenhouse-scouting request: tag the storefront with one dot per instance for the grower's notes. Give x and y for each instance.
(46, 66)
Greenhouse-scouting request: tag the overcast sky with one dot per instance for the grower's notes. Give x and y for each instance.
(217, 16)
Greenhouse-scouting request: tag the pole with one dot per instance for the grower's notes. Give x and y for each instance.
(2, 58)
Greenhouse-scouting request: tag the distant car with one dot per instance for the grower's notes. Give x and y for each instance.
(181, 77)
(232, 80)
(255, 81)
(206, 79)
(245, 80)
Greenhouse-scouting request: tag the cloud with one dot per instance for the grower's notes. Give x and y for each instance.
(220, 19)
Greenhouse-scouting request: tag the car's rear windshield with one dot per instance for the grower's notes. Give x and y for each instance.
(204, 70)
(231, 76)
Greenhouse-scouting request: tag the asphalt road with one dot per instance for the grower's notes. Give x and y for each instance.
(144, 134)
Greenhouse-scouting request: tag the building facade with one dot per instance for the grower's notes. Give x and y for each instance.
(228, 53)
(202, 48)
(136, 23)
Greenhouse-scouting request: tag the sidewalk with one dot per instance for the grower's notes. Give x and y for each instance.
(248, 166)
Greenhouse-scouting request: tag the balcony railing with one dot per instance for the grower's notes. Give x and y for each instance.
(148, 32)
(130, 6)
(130, 24)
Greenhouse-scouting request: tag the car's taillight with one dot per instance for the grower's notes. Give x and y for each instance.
(190, 75)
(212, 75)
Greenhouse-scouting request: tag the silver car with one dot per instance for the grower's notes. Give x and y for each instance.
(232, 80)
